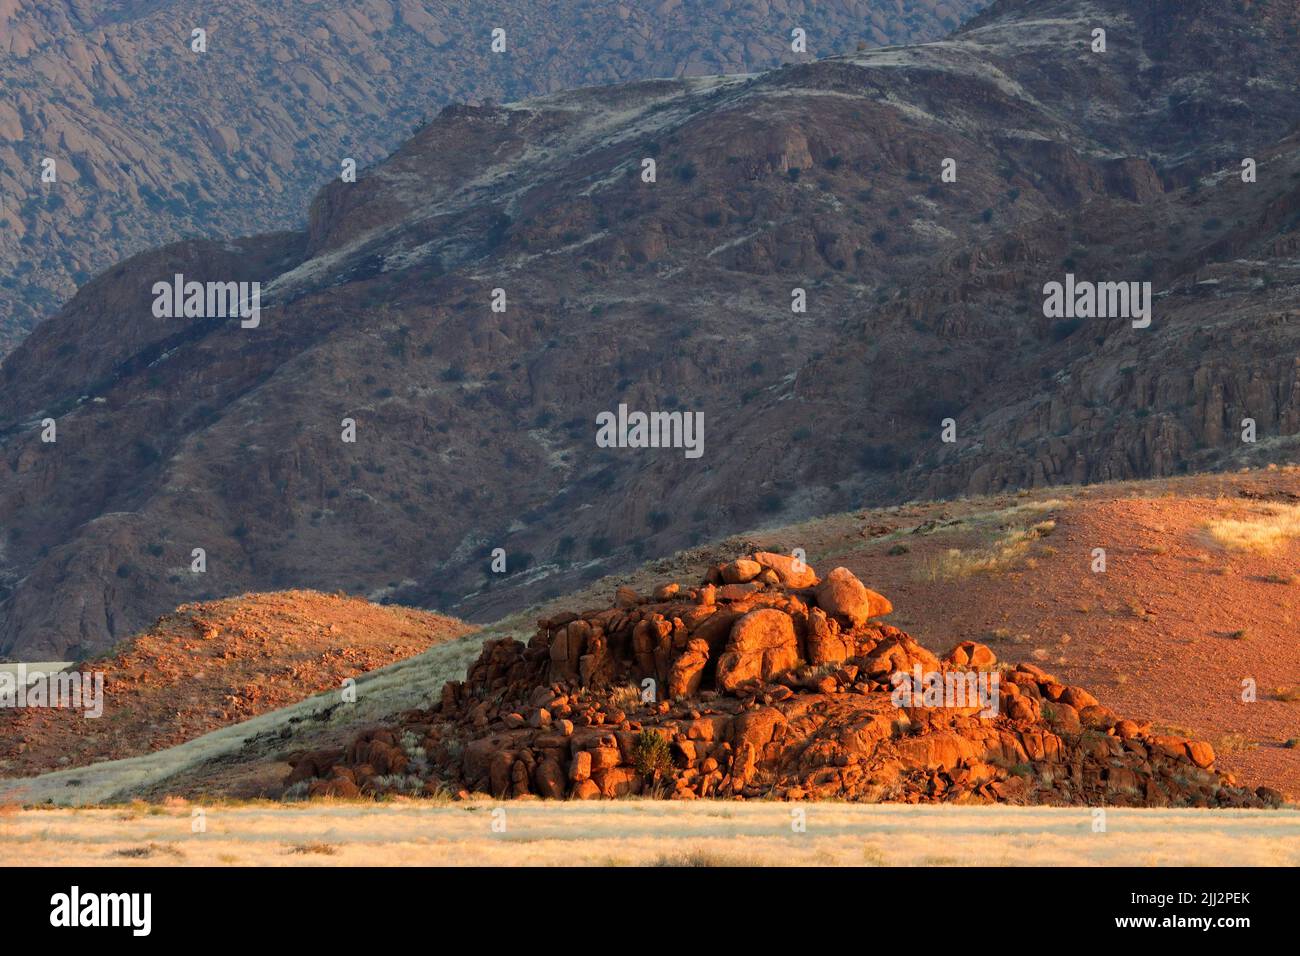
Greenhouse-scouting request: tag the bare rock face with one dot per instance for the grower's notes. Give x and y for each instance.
(898, 654)
(688, 670)
(868, 715)
(825, 642)
(843, 596)
(762, 646)
(569, 646)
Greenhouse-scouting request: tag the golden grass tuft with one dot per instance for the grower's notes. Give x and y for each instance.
(1234, 743)
(1009, 551)
(1260, 534)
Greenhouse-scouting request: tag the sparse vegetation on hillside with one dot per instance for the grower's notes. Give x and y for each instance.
(1009, 550)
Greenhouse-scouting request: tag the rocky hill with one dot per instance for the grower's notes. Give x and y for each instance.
(766, 682)
(214, 664)
(476, 429)
(155, 142)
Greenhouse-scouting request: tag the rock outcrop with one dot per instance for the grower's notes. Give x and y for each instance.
(764, 693)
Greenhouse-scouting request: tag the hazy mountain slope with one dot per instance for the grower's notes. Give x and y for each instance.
(155, 142)
(476, 429)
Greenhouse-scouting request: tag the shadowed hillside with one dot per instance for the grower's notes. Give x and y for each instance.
(154, 142)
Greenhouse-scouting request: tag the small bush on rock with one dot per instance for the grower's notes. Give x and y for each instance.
(651, 756)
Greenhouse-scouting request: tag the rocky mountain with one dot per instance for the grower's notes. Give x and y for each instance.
(473, 307)
(153, 141)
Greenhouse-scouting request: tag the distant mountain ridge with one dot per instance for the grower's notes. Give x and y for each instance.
(475, 429)
(153, 142)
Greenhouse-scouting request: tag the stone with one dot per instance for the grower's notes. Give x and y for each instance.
(1201, 753)
(743, 766)
(1078, 698)
(1098, 718)
(1035, 671)
(743, 719)
(945, 750)
(737, 592)
(688, 669)
(586, 790)
(825, 644)
(567, 646)
(1063, 718)
(741, 571)
(973, 655)
(716, 629)
(500, 768)
(898, 654)
(548, 779)
(1270, 796)
(617, 782)
(790, 572)
(843, 596)
(1022, 708)
(762, 644)
(339, 787)
(1121, 780)
(580, 767)
(603, 758)
(1052, 690)
(1125, 729)
(1167, 745)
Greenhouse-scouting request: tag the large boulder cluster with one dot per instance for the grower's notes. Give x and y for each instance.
(763, 681)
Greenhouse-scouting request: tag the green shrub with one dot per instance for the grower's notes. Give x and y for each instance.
(652, 756)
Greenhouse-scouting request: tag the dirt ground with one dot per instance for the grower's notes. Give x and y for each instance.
(644, 832)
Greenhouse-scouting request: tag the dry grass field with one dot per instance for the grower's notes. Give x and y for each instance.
(640, 833)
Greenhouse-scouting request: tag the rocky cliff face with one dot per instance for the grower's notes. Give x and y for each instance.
(476, 428)
(154, 142)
